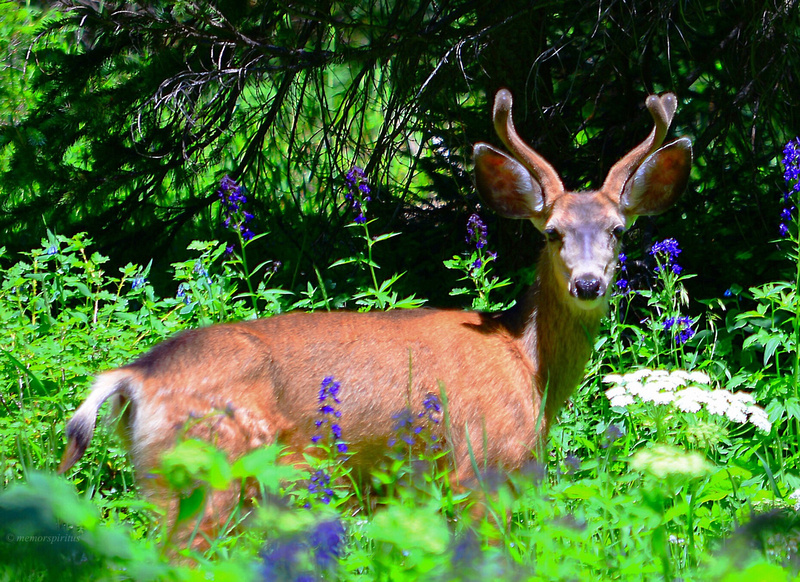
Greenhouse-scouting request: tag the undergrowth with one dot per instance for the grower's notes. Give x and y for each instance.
(676, 458)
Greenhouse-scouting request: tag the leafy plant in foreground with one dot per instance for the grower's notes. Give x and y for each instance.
(477, 268)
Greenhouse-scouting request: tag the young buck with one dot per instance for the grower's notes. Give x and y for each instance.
(504, 375)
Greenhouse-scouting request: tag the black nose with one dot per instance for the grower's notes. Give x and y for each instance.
(587, 289)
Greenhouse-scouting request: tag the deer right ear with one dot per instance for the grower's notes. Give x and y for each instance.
(505, 185)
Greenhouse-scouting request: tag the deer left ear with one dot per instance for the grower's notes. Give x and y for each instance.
(659, 180)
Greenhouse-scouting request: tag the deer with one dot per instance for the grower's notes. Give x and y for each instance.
(504, 375)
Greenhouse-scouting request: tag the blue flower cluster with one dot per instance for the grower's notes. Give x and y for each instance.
(622, 281)
(666, 253)
(791, 174)
(233, 201)
(358, 192)
(681, 327)
(329, 413)
(138, 282)
(476, 235)
(320, 486)
(408, 427)
(611, 435)
(283, 559)
(476, 231)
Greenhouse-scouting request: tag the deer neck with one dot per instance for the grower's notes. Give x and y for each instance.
(556, 334)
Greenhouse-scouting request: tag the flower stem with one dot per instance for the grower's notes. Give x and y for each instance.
(246, 272)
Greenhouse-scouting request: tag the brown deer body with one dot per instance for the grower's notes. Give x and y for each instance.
(504, 375)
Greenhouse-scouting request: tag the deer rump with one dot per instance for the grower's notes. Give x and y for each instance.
(244, 385)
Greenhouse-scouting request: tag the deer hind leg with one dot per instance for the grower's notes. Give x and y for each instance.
(234, 432)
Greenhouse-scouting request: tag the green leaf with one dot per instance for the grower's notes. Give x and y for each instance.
(771, 346)
(191, 505)
(793, 407)
(37, 384)
(580, 491)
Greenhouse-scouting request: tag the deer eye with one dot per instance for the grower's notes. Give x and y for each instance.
(618, 232)
(552, 234)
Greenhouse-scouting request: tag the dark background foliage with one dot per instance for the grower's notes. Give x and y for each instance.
(135, 111)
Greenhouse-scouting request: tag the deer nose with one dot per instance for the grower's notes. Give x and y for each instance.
(587, 288)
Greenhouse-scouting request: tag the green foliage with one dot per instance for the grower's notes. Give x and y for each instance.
(634, 489)
(126, 124)
(379, 295)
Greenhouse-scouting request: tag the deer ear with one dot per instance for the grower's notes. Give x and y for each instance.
(505, 185)
(659, 181)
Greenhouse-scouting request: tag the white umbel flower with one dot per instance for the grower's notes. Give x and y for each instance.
(688, 392)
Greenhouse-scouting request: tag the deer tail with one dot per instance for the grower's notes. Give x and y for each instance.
(80, 429)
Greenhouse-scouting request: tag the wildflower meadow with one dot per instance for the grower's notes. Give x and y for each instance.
(673, 460)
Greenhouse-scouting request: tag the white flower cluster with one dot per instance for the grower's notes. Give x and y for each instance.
(795, 496)
(683, 390)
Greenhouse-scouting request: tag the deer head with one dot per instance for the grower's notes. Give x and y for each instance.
(583, 229)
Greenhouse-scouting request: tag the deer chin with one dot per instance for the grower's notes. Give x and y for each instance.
(588, 304)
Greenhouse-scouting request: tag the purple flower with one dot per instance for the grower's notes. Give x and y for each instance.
(791, 163)
(681, 328)
(233, 200)
(466, 553)
(476, 235)
(668, 248)
(666, 253)
(476, 231)
(431, 408)
(572, 464)
(403, 427)
(304, 556)
(200, 269)
(280, 559)
(611, 434)
(791, 174)
(329, 413)
(319, 485)
(410, 427)
(358, 192)
(329, 387)
(622, 281)
(327, 539)
(137, 282)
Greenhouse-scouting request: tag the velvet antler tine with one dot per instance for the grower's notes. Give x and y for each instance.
(547, 176)
(662, 109)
